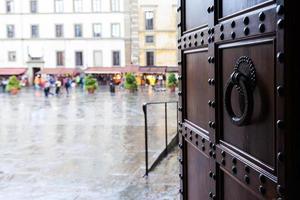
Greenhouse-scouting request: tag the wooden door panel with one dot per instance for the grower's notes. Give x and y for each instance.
(257, 138)
(233, 190)
(232, 143)
(197, 173)
(229, 7)
(196, 9)
(197, 98)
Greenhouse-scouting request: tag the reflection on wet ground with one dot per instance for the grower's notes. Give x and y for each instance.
(83, 146)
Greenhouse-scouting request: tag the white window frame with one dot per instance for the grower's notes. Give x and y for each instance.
(95, 34)
(8, 31)
(147, 17)
(82, 58)
(9, 6)
(38, 30)
(95, 60)
(77, 5)
(112, 30)
(113, 64)
(36, 6)
(62, 30)
(81, 30)
(59, 6)
(149, 42)
(115, 5)
(150, 51)
(12, 56)
(97, 5)
(63, 58)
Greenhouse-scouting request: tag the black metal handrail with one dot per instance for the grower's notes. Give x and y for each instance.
(166, 129)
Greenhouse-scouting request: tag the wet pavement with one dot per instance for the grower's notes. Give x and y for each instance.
(84, 147)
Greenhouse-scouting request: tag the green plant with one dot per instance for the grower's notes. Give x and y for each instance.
(172, 80)
(90, 83)
(130, 82)
(13, 83)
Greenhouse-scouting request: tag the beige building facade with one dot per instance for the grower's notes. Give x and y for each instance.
(157, 33)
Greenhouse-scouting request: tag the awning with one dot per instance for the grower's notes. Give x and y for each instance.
(131, 69)
(12, 71)
(104, 70)
(111, 70)
(59, 71)
(152, 70)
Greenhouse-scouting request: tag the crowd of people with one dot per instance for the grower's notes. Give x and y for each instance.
(52, 85)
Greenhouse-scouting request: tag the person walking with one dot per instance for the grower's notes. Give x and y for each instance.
(47, 88)
(57, 86)
(67, 84)
(4, 83)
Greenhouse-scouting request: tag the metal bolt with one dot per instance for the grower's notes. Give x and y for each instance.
(232, 24)
(233, 169)
(262, 178)
(280, 124)
(247, 179)
(280, 156)
(246, 30)
(221, 27)
(246, 20)
(222, 36)
(262, 190)
(280, 57)
(233, 35)
(223, 162)
(209, 59)
(280, 190)
(280, 23)
(262, 28)
(261, 16)
(280, 9)
(280, 90)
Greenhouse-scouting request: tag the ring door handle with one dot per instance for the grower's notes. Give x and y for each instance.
(242, 82)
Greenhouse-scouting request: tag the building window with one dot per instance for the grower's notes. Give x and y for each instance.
(149, 20)
(116, 58)
(115, 30)
(9, 6)
(150, 58)
(34, 31)
(12, 56)
(115, 5)
(97, 5)
(97, 30)
(98, 58)
(60, 58)
(10, 29)
(78, 58)
(78, 6)
(149, 39)
(33, 6)
(59, 6)
(78, 30)
(59, 30)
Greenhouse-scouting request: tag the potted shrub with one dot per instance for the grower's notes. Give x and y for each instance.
(172, 82)
(130, 82)
(13, 85)
(90, 84)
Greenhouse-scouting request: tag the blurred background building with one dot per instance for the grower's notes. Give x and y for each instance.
(157, 33)
(79, 34)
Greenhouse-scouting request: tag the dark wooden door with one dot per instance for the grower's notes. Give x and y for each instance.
(231, 99)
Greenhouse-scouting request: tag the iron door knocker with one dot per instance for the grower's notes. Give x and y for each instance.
(243, 79)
